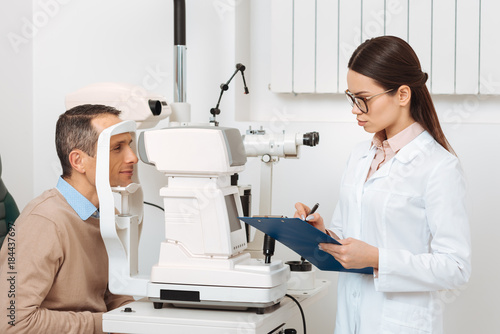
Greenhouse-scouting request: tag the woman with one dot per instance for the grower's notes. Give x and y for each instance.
(402, 201)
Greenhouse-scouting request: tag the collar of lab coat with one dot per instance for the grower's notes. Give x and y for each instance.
(408, 152)
(405, 155)
(412, 149)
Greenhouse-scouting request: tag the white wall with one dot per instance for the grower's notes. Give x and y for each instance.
(90, 41)
(16, 94)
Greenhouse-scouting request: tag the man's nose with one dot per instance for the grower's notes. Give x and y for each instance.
(132, 157)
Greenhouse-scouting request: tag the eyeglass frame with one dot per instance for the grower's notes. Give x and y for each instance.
(352, 99)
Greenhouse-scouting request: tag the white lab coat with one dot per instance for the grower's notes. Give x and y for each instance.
(413, 210)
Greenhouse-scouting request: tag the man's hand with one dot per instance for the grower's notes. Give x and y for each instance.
(353, 253)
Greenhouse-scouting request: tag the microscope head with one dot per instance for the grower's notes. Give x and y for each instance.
(193, 151)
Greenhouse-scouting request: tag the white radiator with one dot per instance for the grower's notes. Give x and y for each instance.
(456, 40)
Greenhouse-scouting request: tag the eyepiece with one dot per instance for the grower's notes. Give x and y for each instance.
(311, 138)
(155, 106)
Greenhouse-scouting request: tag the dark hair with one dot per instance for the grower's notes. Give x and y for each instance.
(391, 62)
(74, 130)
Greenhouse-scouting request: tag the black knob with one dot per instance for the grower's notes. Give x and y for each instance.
(290, 331)
(299, 265)
(127, 309)
(215, 111)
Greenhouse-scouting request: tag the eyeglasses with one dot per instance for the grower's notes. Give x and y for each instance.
(362, 102)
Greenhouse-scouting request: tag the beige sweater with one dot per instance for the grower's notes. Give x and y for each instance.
(54, 270)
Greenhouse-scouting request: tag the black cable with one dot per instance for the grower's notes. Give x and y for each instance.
(156, 206)
(301, 311)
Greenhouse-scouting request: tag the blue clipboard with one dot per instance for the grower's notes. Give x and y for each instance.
(302, 238)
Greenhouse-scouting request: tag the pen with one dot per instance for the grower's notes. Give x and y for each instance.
(313, 210)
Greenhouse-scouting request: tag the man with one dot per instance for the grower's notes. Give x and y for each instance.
(54, 279)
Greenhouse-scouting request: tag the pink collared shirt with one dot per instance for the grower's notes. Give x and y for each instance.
(387, 148)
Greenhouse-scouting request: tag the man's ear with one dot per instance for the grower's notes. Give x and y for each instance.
(404, 94)
(76, 159)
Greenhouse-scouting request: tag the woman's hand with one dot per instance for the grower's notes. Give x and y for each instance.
(353, 253)
(315, 219)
